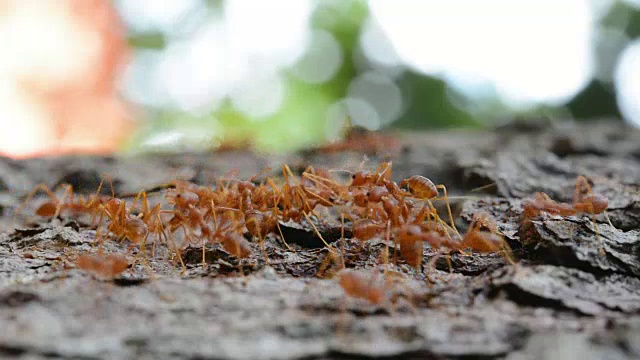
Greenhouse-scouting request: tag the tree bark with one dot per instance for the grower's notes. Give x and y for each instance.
(574, 291)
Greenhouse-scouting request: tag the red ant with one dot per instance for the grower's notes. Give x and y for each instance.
(410, 238)
(366, 229)
(236, 245)
(109, 265)
(364, 178)
(55, 206)
(543, 203)
(422, 188)
(584, 201)
(361, 285)
(485, 241)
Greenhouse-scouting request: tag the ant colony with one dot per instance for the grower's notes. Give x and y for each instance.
(239, 216)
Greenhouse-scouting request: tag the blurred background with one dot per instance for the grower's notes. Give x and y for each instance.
(144, 75)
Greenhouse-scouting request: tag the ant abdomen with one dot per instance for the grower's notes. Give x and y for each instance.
(420, 187)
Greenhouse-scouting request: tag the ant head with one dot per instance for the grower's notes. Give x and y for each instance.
(113, 203)
(358, 179)
(114, 206)
(186, 198)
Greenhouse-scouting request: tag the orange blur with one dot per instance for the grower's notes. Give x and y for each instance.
(58, 88)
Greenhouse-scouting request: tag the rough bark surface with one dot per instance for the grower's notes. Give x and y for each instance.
(564, 299)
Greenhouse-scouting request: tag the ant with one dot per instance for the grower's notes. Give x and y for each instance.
(260, 224)
(375, 288)
(422, 188)
(122, 223)
(366, 229)
(236, 245)
(108, 266)
(55, 205)
(380, 176)
(543, 203)
(484, 241)
(584, 201)
(361, 285)
(410, 238)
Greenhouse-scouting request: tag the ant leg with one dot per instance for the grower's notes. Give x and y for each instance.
(303, 199)
(141, 251)
(484, 187)
(98, 238)
(431, 266)
(282, 236)
(608, 220)
(323, 201)
(582, 187)
(264, 251)
(105, 175)
(68, 191)
(286, 171)
(446, 199)
(148, 268)
(388, 238)
(384, 171)
(170, 239)
(342, 241)
(95, 198)
(153, 247)
(213, 214)
(31, 194)
(319, 180)
(449, 264)
(142, 197)
(149, 219)
(508, 254)
(443, 223)
(316, 230)
(188, 235)
(424, 213)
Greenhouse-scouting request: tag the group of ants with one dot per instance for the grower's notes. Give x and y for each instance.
(232, 212)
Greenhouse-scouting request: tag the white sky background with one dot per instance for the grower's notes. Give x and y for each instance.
(530, 51)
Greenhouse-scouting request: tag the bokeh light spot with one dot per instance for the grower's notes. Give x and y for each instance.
(154, 15)
(376, 46)
(532, 50)
(627, 82)
(380, 92)
(360, 112)
(262, 99)
(322, 59)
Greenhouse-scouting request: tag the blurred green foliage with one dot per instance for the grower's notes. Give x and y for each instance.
(429, 102)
